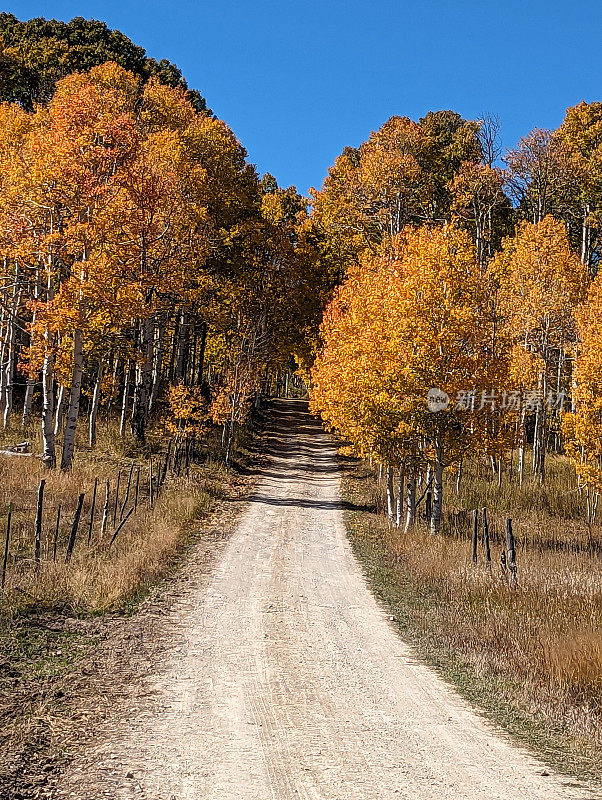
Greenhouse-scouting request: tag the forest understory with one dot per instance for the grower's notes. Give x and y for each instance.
(527, 654)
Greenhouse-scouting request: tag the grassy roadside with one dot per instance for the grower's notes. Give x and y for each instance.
(54, 620)
(527, 658)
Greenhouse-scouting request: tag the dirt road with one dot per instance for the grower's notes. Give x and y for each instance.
(283, 680)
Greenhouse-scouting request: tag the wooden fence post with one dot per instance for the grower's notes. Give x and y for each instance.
(116, 499)
(92, 511)
(38, 529)
(475, 535)
(105, 511)
(6, 541)
(486, 537)
(121, 524)
(127, 492)
(74, 528)
(511, 550)
(56, 532)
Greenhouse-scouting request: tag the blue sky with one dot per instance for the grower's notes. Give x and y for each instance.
(297, 81)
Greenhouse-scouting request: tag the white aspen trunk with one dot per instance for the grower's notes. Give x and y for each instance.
(3, 324)
(182, 339)
(428, 492)
(229, 443)
(157, 366)
(9, 365)
(6, 330)
(459, 476)
(539, 462)
(191, 366)
(410, 502)
(173, 349)
(113, 363)
(390, 495)
(3, 331)
(535, 440)
(574, 379)
(144, 374)
(521, 449)
(203, 347)
(124, 399)
(399, 508)
(7, 404)
(479, 243)
(585, 238)
(58, 416)
(94, 406)
(31, 381)
(537, 433)
(437, 507)
(233, 408)
(28, 401)
(74, 398)
(48, 435)
(49, 454)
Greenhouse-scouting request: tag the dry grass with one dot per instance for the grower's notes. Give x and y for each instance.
(530, 655)
(546, 517)
(50, 618)
(99, 576)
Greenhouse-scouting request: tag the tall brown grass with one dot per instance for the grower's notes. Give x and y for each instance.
(538, 644)
(548, 516)
(99, 576)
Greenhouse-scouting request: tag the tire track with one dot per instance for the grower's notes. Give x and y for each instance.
(286, 682)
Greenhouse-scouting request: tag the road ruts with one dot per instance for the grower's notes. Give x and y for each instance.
(285, 681)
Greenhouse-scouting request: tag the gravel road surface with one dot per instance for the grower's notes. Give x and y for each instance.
(282, 679)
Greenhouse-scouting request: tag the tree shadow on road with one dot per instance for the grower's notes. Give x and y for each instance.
(307, 502)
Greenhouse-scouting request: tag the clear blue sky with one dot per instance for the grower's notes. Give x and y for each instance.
(297, 81)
